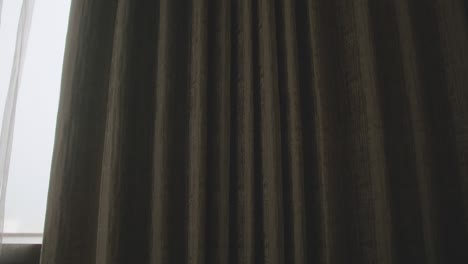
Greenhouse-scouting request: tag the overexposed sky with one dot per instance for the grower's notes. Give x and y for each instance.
(36, 109)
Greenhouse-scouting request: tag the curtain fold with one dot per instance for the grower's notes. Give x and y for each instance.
(261, 132)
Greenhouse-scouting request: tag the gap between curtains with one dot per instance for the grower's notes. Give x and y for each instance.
(262, 132)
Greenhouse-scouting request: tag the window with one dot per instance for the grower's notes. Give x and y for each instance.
(36, 111)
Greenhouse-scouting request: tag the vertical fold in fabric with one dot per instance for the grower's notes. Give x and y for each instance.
(351, 159)
(414, 90)
(242, 207)
(218, 222)
(270, 134)
(375, 132)
(452, 27)
(197, 133)
(222, 131)
(320, 68)
(160, 190)
(398, 140)
(437, 79)
(169, 214)
(291, 132)
(72, 208)
(114, 139)
(431, 75)
(126, 175)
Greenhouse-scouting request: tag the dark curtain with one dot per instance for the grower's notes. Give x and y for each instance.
(261, 131)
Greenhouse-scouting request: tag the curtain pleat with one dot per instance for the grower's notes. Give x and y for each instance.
(262, 132)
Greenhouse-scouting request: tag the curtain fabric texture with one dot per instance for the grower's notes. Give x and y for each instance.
(262, 132)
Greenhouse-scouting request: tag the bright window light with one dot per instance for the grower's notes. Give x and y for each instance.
(36, 113)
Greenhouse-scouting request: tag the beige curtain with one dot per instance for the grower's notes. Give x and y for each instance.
(259, 131)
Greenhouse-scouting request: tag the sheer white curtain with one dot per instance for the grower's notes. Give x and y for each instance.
(1, 4)
(8, 121)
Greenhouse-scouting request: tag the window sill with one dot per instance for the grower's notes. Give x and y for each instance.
(22, 238)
